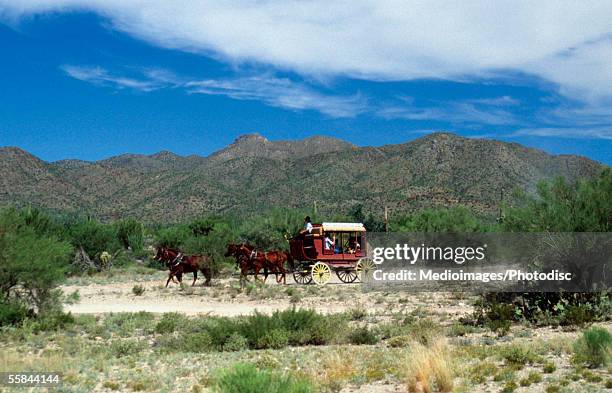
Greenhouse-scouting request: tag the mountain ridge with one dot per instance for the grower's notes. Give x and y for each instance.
(253, 174)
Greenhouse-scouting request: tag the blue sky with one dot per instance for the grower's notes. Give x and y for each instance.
(91, 79)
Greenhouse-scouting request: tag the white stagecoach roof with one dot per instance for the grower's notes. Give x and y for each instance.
(343, 226)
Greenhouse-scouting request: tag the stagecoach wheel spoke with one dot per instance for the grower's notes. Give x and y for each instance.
(347, 275)
(364, 267)
(302, 277)
(321, 273)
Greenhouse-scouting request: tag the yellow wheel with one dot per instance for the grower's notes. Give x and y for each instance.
(321, 273)
(365, 266)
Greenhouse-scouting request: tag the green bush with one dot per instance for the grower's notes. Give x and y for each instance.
(594, 348)
(93, 237)
(12, 313)
(195, 342)
(519, 355)
(246, 378)
(362, 336)
(32, 261)
(120, 348)
(126, 324)
(130, 234)
(170, 322)
(275, 339)
(236, 342)
(455, 220)
(138, 290)
(54, 320)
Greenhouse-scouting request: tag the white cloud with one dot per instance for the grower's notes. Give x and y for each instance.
(281, 92)
(273, 91)
(566, 132)
(488, 111)
(102, 77)
(565, 42)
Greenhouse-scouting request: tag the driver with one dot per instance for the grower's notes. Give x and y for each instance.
(307, 226)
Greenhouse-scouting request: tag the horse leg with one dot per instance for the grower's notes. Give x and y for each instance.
(195, 277)
(170, 277)
(265, 274)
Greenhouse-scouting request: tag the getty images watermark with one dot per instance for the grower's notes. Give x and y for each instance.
(529, 262)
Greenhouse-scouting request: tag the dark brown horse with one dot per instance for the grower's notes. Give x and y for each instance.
(249, 258)
(178, 263)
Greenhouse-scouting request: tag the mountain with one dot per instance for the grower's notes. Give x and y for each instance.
(255, 145)
(253, 174)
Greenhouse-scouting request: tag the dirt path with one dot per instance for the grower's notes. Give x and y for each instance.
(118, 297)
(224, 299)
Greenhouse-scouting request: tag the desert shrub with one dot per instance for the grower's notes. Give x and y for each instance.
(456, 220)
(138, 290)
(276, 339)
(358, 313)
(498, 317)
(12, 313)
(237, 342)
(509, 387)
(480, 371)
(499, 310)
(518, 355)
(120, 348)
(130, 234)
(399, 341)
(533, 377)
(549, 367)
(246, 378)
(170, 322)
(423, 331)
(195, 342)
(93, 237)
(126, 324)
(52, 320)
(594, 348)
(560, 207)
(173, 237)
(362, 336)
(429, 369)
(458, 329)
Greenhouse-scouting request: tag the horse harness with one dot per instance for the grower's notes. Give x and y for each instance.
(177, 261)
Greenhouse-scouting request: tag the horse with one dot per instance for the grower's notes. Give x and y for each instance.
(275, 263)
(248, 257)
(180, 263)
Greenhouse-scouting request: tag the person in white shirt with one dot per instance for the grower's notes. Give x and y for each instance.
(329, 243)
(307, 226)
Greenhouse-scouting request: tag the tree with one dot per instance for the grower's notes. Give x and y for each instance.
(130, 234)
(31, 264)
(585, 206)
(454, 220)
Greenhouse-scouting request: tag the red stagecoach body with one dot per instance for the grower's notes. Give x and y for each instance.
(316, 257)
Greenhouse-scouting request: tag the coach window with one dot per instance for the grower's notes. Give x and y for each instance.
(329, 248)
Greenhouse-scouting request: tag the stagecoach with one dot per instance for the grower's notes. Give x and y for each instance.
(331, 246)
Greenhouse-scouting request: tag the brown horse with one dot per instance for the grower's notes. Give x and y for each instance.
(180, 263)
(249, 258)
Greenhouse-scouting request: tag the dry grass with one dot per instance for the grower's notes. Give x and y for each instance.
(429, 369)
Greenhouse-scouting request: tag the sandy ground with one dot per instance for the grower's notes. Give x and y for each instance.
(223, 300)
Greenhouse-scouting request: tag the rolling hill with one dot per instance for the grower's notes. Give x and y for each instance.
(253, 174)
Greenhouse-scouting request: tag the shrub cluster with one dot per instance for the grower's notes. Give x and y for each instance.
(244, 377)
(259, 331)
